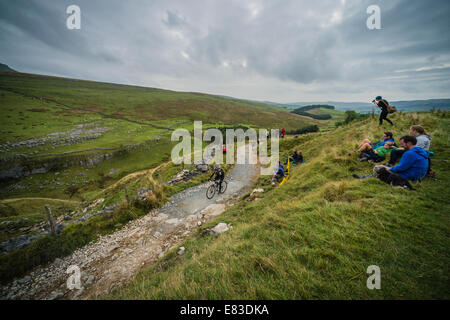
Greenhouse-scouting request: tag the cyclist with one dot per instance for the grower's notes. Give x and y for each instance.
(219, 175)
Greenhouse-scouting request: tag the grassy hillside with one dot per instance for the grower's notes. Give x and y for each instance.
(147, 105)
(334, 113)
(336, 116)
(315, 236)
(327, 124)
(134, 123)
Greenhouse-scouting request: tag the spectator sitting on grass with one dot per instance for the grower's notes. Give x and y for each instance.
(278, 174)
(366, 146)
(380, 153)
(413, 165)
(423, 141)
(295, 158)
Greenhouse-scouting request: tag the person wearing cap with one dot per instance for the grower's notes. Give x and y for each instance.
(383, 105)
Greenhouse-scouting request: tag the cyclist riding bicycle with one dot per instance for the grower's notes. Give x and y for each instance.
(219, 175)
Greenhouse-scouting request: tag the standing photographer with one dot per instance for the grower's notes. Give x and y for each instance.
(383, 105)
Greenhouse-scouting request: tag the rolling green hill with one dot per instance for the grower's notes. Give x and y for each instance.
(336, 115)
(327, 115)
(75, 99)
(315, 236)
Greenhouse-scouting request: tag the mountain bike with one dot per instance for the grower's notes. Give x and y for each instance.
(214, 187)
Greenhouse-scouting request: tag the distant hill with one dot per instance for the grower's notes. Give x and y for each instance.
(316, 106)
(326, 114)
(4, 67)
(303, 111)
(364, 107)
(149, 106)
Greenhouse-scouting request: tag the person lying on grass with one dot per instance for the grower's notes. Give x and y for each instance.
(366, 146)
(413, 165)
(378, 154)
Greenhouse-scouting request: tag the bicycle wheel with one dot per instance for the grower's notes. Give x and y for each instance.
(223, 187)
(211, 191)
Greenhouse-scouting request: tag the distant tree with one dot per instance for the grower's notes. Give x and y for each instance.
(303, 111)
(350, 116)
(314, 116)
(316, 106)
(71, 191)
(306, 129)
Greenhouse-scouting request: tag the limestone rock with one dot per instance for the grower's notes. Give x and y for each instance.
(220, 228)
(213, 210)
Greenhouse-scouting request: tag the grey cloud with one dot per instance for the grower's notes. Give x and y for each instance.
(174, 20)
(293, 46)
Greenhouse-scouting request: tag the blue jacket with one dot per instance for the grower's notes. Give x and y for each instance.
(280, 170)
(413, 165)
(381, 144)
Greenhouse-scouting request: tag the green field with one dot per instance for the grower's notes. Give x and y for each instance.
(86, 99)
(336, 116)
(315, 236)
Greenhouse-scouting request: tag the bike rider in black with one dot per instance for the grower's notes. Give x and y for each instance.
(219, 175)
(383, 105)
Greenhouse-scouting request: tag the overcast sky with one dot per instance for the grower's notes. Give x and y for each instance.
(282, 51)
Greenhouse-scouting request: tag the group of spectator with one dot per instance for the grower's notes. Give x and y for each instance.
(413, 154)
(378, 151)
(279, 172)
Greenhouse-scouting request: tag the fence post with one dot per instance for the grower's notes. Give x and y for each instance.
(126, 193)
(51, 220)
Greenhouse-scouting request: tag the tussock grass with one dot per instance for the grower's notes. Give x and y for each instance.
(315, 236)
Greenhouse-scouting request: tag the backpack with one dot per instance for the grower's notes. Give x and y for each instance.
(391, 109)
